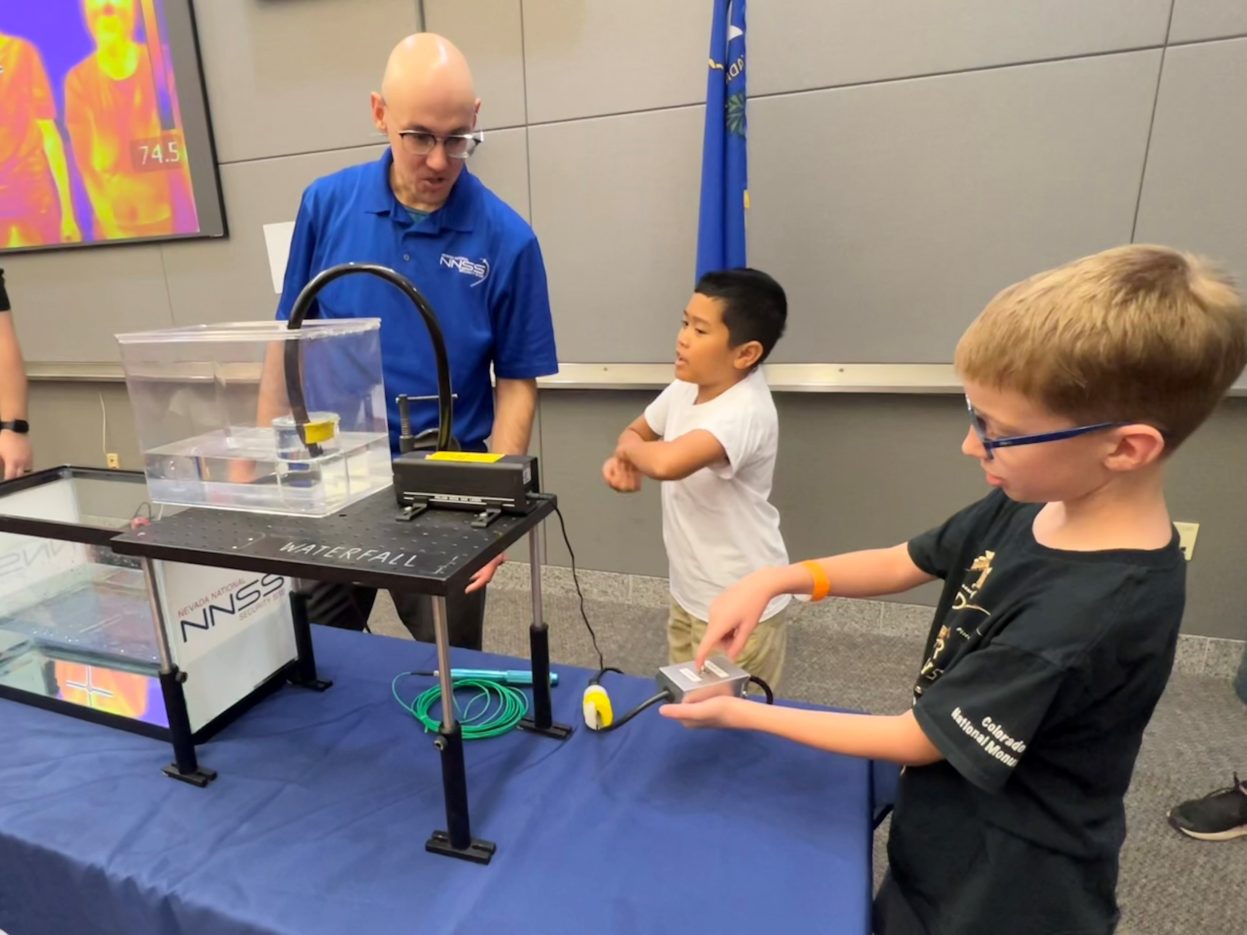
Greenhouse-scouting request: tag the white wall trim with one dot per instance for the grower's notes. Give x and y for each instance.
(784, 378)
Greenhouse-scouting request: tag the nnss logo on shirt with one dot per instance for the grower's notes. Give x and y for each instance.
(468, 267)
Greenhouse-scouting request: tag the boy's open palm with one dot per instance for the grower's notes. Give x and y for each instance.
(719, 711)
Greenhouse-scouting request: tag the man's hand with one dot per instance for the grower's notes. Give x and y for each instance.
(620, 475)
(15, 454)
(734, 615)
(484, 575)
(719, 711)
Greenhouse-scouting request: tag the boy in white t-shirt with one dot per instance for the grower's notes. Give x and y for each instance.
(711, 438)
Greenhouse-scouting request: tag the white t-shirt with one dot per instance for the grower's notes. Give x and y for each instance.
(717, 523)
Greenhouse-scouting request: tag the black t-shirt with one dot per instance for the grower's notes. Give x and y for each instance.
(4, 296)
(1040, 672)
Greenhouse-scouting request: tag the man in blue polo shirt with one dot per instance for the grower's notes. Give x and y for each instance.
(419, 211)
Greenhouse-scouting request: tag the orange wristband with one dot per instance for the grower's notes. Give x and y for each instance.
(822, 586)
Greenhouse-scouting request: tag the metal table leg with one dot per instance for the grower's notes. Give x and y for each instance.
(542, 721)
(185, 765)
(457, 840)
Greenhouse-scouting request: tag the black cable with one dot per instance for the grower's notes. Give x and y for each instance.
(294, 363)
(662, 696)
(602, 667)
(766, 689)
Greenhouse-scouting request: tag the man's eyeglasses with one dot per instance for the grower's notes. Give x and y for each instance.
(991, 444)
(456, 145)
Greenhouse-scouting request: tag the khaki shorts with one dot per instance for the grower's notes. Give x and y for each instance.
(764, 651)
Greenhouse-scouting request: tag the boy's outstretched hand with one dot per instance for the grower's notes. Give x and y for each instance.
(620, 475)
(734, 615)
(719, 711)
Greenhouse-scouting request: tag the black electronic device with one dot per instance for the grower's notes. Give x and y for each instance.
(489, 484)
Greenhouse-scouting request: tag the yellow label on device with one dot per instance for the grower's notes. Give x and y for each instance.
(317, 432)
(472, 457)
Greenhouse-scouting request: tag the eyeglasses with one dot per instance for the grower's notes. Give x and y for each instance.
(456, 145)
(991, 444)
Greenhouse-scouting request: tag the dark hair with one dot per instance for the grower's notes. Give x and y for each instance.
(754, 305)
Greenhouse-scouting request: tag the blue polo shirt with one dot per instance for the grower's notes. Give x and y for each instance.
(475, 260)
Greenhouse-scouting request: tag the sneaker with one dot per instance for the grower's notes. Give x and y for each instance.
(1218, 816)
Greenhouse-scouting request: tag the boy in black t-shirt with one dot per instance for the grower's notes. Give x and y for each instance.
(1063, 592)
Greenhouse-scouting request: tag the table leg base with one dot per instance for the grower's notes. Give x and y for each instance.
(317, 685)
(557, 731)
(200, 776)
(477, 851)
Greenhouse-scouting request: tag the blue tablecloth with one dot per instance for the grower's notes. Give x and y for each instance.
(318, 820)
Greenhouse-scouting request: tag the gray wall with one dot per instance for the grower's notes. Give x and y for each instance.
(908, 159)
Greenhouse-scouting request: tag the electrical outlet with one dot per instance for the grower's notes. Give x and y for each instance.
(112, 459)
(1186, 538)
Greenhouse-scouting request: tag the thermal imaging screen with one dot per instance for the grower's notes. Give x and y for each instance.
(127, 694)
(93, 144)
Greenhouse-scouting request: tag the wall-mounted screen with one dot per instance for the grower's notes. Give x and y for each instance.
(104, 132)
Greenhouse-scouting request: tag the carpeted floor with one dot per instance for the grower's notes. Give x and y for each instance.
(852, 654)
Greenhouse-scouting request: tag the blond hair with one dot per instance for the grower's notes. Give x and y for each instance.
(1134, 334)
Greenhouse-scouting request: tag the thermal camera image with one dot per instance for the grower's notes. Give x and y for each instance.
(91, 141)
(127, 694)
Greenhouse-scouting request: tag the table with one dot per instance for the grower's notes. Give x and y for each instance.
(435, 553)
(317, 821)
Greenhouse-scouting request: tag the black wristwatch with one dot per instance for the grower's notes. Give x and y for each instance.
(20, 426)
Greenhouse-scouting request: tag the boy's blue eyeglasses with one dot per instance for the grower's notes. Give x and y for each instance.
(991, 444)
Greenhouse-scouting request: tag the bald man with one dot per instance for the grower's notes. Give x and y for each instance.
(419, 211)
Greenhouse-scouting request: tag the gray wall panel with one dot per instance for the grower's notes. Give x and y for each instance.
(1195, 189)
(1207, 19)
(67, 306)
(502, 164)
(68, 425)
(608, 530)
(1205, 486)
(615, 206)
(214, 281)
(489, 34)
(796, 44)
(900, 208)
(289, 78)
(584, 58)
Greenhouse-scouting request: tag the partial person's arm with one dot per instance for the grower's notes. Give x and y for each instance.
(640, 428)
(515, 407)
(673, 460)
(15, 452)
(896, 738)
(54, 151)
(622, 475)
(735, 613)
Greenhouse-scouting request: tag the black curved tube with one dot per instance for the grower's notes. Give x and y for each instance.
(294, 364)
